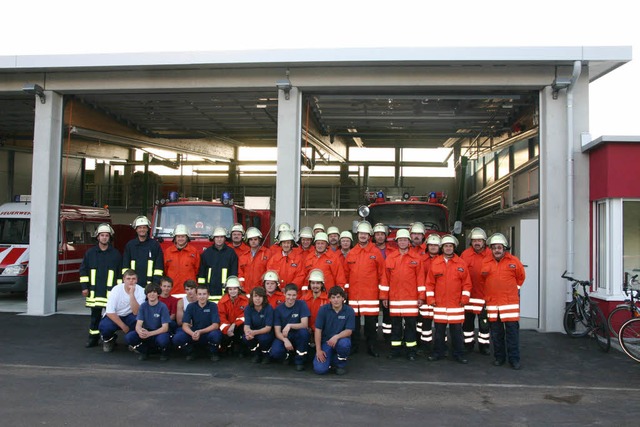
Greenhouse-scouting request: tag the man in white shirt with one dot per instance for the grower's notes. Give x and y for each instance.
(122, 308)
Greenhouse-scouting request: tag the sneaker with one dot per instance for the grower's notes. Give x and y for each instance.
(214, 357)
(108, 346)
(498, 362)
(341, 371)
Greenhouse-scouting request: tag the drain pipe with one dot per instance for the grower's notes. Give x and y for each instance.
(577, 68)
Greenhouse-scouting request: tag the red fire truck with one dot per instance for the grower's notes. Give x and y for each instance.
(401, 212)
(201, 217)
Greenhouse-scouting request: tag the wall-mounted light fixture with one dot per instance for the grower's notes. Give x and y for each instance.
(35, 89)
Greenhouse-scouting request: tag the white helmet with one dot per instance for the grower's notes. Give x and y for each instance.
(321, 236)
(253, 232)
(233, 282)
(284, 227)
(364, 227)
(141, 220)
(237, 227)
(271, 275)
(380, 228)
(449, 239)
(180, 230)
(498, 239)
(316, 275)
(219, 231)
(333, 230)
(285, 235)
(306, 232)
(403, 233)
(318, 226)
(477, 233)
(104, 228)
(346, 235)
(417, 227)
(434, 239)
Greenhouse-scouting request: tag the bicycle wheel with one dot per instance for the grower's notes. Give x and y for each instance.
(630, 338)
(599, 329)
(617, 318)
(575, 324)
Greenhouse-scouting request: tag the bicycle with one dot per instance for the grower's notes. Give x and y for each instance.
(628, 310)
(629, 338)
(583, 317)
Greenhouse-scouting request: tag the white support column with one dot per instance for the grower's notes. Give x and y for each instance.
(289, 145)
(553, 200)
(45, 205)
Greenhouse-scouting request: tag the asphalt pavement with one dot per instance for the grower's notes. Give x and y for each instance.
(47, 377)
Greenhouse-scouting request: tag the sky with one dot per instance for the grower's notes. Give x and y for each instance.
(45, 27)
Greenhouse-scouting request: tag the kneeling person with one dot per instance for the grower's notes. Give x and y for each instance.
(335, 323)
(152, 326)
(123, 304)
(291, 322)
(200, 326)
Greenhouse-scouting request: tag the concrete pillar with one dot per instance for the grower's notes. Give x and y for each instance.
(553, 200)
(288, 159)
(45, 205)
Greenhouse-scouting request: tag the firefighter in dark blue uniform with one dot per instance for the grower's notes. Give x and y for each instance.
(217, 262)
(143, 254)
(99, 272)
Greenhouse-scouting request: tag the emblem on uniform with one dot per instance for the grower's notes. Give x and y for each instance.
(329, 261)
(156, 314)
(413, 263)
(461, 269)
(512, 266)
(372, 257)
(293, 264)
(342, 317)
(294, 315)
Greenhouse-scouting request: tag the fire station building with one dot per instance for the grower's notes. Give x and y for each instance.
(504, 132)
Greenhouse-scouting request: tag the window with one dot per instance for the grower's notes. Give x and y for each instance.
(14, 231)
(74, 232)
(631, 236)
(601, 244)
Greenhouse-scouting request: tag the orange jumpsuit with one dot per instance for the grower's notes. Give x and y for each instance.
(251, 268)
(330, 265)
(290, 268)
(448, 289)
(474, 262)
(275, 299)
(403, 283)
(364, 271)
(181, 265)
(240, 250)
(502, 281)
(314, 305)
(232, 312)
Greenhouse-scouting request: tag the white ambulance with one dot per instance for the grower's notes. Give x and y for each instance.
(75, 237)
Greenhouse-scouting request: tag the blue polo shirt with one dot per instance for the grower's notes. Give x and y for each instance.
(201, 317)
(153, 316)
(332, 323)
(258, 319)
(285, 315)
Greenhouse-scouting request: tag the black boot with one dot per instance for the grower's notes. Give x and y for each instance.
(92, 341)
(371, 350)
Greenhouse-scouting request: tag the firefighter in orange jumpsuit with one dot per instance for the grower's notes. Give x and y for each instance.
(271, 282)
(403, 292)
(380, 233)
(237, 243)
(502, 276)
(448, 290)
(364, 272)
(425, 321)
(282, 228)
(231, 310)
(181, 261)
(474, 257)
(253, 264)
(330, 264)
(333, 233)
(305, 240)
(286, 262)
(316, 296)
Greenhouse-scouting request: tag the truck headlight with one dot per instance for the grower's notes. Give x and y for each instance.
(15, 270)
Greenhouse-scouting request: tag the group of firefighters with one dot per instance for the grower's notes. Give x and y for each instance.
(304, 299)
